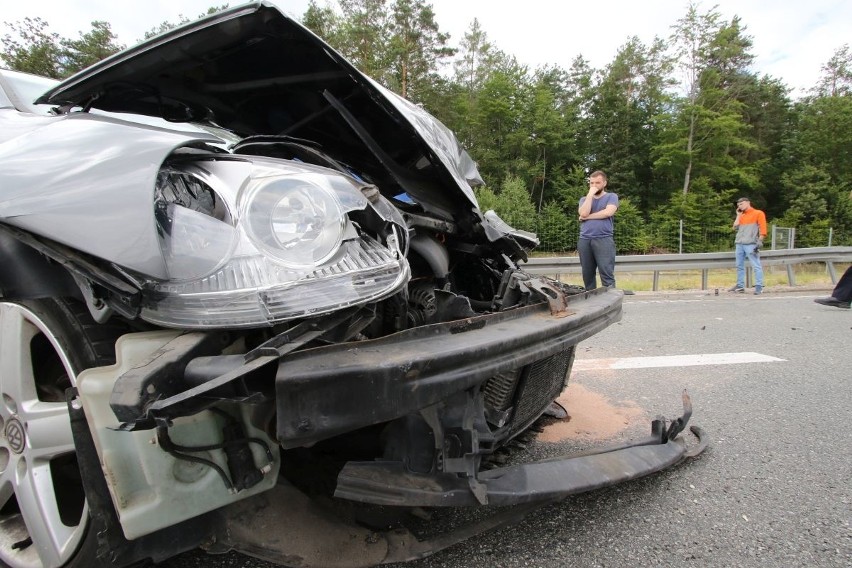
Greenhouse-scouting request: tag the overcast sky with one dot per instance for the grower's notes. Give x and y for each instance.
(792, 39)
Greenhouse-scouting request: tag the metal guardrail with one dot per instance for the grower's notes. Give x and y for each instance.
(705, 262)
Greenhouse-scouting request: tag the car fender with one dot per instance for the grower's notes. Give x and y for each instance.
(92, 196)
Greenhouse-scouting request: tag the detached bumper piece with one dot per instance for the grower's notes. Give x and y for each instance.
(387, 483)
(315, 535)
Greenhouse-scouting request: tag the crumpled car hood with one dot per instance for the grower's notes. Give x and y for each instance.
(255, 71)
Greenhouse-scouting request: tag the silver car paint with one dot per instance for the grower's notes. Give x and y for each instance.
(87, 181)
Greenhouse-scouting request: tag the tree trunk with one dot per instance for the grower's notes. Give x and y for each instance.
(404, 82)
(689, 139)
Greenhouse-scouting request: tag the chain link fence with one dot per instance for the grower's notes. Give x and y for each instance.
(561, 238)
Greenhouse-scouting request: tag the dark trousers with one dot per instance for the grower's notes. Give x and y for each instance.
(843, 289)
(597, 255)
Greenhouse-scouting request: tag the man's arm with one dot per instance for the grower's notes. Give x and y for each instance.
(604, 213)
(586, 204)
(585, 209)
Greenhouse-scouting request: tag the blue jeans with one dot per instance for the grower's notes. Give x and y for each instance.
(749, 251)
(597, 254)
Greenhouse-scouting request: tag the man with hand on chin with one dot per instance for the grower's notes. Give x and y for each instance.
(596, 246)
(750, 225)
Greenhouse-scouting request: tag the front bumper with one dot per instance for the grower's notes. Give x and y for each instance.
(331, 390)
(386, 483)
(326, 391)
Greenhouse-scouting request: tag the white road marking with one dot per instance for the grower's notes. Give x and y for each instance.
(673, 361)
(705, 297)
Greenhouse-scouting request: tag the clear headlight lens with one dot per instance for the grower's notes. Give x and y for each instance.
(296, 220)
(290, 252)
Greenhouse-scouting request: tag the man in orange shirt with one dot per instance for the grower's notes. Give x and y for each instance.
(750, 226)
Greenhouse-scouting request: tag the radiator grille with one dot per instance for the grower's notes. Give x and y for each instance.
(500, 390)
(539, 384)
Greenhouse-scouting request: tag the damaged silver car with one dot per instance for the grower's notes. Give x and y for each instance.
(248, 301)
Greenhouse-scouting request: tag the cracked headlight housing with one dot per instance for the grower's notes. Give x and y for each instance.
(250, 243)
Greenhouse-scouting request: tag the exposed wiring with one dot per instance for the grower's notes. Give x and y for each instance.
(182, 452)
(172, 449)
(257, 441)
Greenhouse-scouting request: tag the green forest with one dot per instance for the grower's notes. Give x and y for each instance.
(682, 126)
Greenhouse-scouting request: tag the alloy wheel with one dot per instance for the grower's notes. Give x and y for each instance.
(43, 514)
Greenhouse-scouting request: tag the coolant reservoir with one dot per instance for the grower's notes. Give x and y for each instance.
(150, 489)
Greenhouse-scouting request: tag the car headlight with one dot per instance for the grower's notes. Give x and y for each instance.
(295, 220)
(248, 243)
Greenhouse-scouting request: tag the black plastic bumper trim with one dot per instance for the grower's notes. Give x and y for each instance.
(386, 483)
(330, 390)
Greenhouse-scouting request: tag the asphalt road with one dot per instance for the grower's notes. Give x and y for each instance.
(774, 488)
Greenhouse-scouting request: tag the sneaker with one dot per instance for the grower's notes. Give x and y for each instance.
(736, 288)
(758, 290)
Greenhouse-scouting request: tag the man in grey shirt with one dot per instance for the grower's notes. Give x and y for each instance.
(596, 246)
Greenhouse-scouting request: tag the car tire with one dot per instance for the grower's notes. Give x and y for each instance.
(44, 344)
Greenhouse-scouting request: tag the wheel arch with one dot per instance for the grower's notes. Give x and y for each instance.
(27, 274)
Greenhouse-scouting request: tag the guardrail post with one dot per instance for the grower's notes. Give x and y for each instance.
(831, 272)
(656, 285)
(791, 275)
(704, 278)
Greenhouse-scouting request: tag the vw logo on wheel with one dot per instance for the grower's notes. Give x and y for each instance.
(16, 436)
